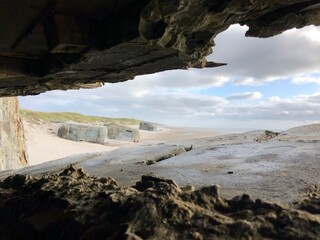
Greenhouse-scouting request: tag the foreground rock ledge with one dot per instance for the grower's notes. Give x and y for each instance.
(74, 205)
(49, 44)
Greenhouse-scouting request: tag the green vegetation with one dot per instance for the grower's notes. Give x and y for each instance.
(76, 117)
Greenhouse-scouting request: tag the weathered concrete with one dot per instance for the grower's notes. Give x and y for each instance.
(148, 126)
(12, 144)
(70, 44)
(83, 132)
(123, 133)
(97, 134)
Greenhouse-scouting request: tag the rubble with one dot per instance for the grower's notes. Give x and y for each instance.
(74, 205)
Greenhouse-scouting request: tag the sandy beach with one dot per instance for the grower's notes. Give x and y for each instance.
(44, 145)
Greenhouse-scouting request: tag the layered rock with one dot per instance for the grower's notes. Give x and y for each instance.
(12, 143)
(69, 45)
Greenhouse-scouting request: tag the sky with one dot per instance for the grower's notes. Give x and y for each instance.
(271, 83)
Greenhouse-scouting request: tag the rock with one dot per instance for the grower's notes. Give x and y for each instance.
(123, 133)
(83, 132)
(74, 172)
(147, 126)
(94, 208)
(305, 134)
(13, 154)
(115, 42)
(176, 151)
(266, 136)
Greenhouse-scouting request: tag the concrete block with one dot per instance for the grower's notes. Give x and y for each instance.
(147, 126)
(123, 133)
(83, 132)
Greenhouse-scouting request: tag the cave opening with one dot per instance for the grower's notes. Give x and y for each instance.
(165, 154)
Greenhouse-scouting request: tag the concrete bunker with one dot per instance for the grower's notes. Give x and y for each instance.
(123, 133)
(147, 126)
(97, 134)
(83, 132)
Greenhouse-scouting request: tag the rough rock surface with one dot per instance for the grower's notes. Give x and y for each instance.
(83, 132)
(73, 205)
(148, 126)
(68, 45)
(12, 144)
(123, 133)
(266, 136)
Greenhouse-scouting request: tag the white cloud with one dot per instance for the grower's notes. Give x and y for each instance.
(183, 108)
(122, 100)
(313, 33)
(306, 78)
(253, 61)
(298, 108)
(246, 95)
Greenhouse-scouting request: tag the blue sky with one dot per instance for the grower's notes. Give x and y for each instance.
(269, 83)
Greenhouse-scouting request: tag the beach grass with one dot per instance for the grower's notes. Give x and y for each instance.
(76, 117)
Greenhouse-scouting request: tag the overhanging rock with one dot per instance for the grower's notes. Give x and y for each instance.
(51, 44)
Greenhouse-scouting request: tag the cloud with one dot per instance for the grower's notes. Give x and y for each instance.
(128, 100)
(298, 108)
(306, 78)
(182, 108)
(313, 33)
(181, 79)
(246, 95)
(253, 61)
